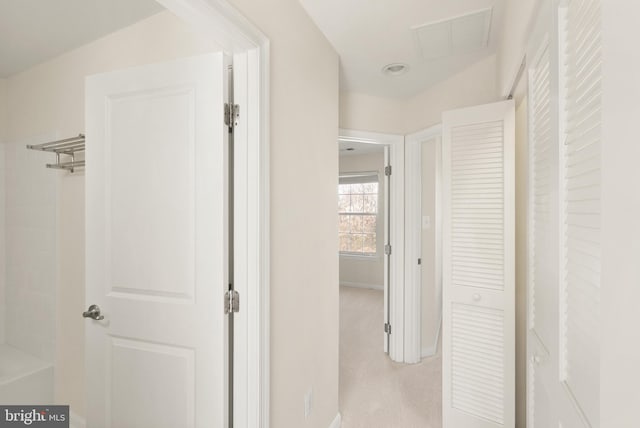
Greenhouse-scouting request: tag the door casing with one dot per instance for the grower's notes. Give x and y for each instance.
(395, 312)
(413, 346)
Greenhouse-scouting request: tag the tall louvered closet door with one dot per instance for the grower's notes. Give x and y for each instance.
(478, 267)
(542, 274)
(564, 220)
(580, 263)
(543, 249)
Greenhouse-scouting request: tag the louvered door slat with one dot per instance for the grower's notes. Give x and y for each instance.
(541, 185)
(580, 297)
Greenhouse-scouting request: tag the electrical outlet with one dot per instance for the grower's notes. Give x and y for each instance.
(308, 403)
(426, 222)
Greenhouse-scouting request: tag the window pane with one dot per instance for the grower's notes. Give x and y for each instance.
(344, 189)
(343, 223)
(345, 240)
(371, 188)
(357, 188)
(344, 203)
(356, 224)
(369, 244)
(358, 205)
(356, 243)
(368, 223)
(357, 202)
(371, 203)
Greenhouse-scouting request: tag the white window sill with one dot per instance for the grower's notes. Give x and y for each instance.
(360, 257)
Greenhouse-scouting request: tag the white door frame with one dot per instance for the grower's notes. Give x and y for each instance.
(413, 219)
(250, 50)
(396, 288)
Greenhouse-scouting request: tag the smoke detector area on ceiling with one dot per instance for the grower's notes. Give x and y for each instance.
(460, 35)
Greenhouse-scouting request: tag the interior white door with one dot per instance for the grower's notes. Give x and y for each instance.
(156, 245)
(478, 379)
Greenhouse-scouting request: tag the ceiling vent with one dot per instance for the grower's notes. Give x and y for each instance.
(459, 35)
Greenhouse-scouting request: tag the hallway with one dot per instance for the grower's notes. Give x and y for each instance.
(374, 391)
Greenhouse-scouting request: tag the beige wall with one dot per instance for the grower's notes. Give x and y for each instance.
(304, 224)
(359, 270)
(371, 113)
(516, 27)
(620, 293)
(472, 86)
(3, 109)
(3, 126)
(49, 98)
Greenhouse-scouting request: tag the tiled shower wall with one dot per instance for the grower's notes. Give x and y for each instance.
(30, 250)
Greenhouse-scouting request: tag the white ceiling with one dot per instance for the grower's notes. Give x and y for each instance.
(33, 31)
(369, 34)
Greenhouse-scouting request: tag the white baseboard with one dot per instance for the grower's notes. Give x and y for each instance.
(76, 421)
(432, 350)
(362, 285)
(337, 422)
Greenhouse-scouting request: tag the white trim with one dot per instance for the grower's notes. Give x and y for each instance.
(396, 288)
(337, 422)
(432, 350)
(356, 256)
(362, 285)
(413, 351)
(250, 47)
(76, 421)
(413, 251)
(425, 134)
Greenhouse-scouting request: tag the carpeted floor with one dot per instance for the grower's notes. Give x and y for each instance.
(374, 391)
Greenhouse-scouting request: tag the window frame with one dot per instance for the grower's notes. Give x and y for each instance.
(365, 178)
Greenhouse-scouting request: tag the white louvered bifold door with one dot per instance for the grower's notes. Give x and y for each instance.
(543, 250)
(478, 267)
(580, 269)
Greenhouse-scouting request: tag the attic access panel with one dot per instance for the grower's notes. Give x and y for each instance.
(460, 35)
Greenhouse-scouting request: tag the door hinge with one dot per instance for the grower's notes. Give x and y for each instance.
(387, 249)
(419, 261)
(231, 302)
(387, 328)
(387, 170)
(231, 115)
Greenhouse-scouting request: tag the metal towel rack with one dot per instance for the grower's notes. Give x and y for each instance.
(68, 148)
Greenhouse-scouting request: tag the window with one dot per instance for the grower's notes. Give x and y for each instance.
(358, 212)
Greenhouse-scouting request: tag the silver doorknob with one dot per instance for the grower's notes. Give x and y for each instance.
(93, 312)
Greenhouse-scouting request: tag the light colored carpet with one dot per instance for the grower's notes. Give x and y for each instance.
(374, 391)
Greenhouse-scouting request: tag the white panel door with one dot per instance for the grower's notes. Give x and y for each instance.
(156, 248)
(478, 379)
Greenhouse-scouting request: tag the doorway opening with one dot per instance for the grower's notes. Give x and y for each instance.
(382, 384)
